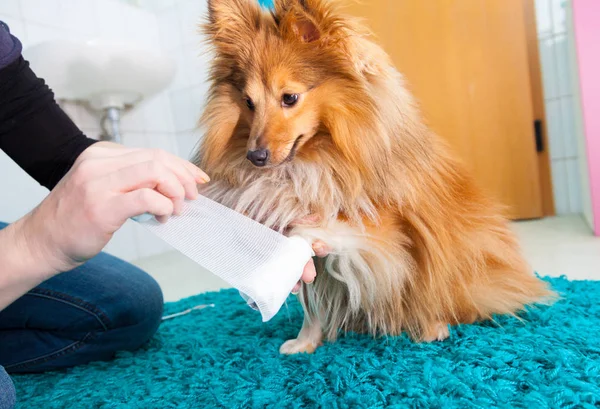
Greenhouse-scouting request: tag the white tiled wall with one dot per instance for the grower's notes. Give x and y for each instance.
(560, 95)
(178, 22)
(586, 196)
(179, 28)
(151, 124)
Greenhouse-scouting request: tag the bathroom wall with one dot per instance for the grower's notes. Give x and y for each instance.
(562, 108)
(178, 22)
(149, 125)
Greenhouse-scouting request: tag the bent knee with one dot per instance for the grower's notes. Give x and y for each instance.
(8, 397)
(140, 309)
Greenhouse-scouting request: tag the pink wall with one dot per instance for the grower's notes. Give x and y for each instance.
(586, 16)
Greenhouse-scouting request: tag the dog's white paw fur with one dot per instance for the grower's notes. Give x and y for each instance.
(298, 346)
(437, 332)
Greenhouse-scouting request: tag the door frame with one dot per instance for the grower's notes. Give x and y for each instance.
(539, 110)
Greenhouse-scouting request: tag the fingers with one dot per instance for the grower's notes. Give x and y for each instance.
(152, 175)
(187, 179)
(141, 201)
(297, 287)
(308, 276)
(197, 173)
(320, 248)
(310, 272)
(188, 174)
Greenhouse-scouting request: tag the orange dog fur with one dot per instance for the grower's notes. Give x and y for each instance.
(415, 245)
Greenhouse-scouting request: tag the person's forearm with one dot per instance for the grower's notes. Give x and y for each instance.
(34, 131)
(22, 265)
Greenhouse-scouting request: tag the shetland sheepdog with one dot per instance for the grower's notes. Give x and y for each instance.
(307, 119)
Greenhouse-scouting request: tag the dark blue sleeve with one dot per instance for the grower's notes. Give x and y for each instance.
(34, 131)
(10, 46)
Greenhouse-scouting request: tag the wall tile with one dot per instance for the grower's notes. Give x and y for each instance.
(560, 186)
(557, 59)
(199, 96)
(87, 117)
(183, 111)
(141, 28)
(157, 5)
(170, 33)
(110, 19)
(555, 129)
(148, 244)
(157, 114)
(196, 62)
(559, 15)
(563, 65)
(135, 139)
(548, 63)
(574, 185)
(92, 132)
(133, 119)
(38, 33)
(46, 12)
(187, 143)
(124, 242)
(181, 79)
(543, 17)
(10, 8)
(568, 122)
(71, 109)
(162, 140)
(20, 193)
(191, 14)
(78, 16)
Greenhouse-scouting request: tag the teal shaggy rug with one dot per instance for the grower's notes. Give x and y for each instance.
(224, 357)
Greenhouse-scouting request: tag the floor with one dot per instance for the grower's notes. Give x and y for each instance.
(554, 246)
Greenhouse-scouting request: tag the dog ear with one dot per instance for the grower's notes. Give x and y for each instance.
(299, 19)
(232, 22)
(323, 23)
(306, 29)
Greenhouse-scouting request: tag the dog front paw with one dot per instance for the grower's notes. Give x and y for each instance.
(298, 346)
(436, 332)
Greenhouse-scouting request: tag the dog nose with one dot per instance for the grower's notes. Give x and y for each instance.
(258, 157)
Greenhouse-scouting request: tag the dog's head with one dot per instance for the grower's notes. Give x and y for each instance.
(288, 82)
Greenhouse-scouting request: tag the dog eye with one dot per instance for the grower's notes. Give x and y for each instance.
(249, 104)
(289, 100)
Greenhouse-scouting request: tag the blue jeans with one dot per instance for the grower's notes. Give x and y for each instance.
(7, 391)
(83, 315)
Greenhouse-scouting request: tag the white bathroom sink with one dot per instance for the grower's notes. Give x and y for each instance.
(107, 75)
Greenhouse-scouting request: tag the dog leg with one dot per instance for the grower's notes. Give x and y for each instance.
(308, 339)
(436, 332)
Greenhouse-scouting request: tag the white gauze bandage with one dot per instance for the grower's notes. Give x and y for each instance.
(259, 262)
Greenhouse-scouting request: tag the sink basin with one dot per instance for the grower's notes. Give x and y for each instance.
(105, 74)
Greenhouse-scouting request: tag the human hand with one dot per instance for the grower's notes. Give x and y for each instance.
(321, 250)
(108, 184)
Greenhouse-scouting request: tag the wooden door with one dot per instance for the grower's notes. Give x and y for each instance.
(466, 61)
